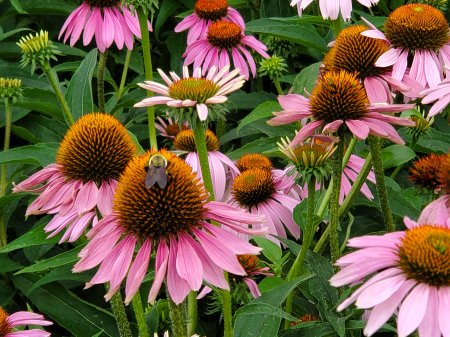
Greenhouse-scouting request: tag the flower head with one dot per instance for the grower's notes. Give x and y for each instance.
(107, 20)
(205, 94)
(225, 39)
(424, 171)
(37, 49)
(407, 270)
(90, 159)
(356, 53)
(330, 8)
(22, 318)
(419, 38)
(222, 168)
(172, 221)
(339, 99)
(443, 174)
(205, 13)
(253, 160)
(10, 88)
(169, 128)
(274, 66)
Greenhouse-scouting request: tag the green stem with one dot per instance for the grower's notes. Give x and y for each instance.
(3, 177)
(276, 81)
(120, 315)
(227, 311)
(334, 201)
(140, 316)
(176, 316)
(192, 313)
(375, 150)
(146, 53)
(202, 151)
(52, 78)
(123, 79)
(308, 235)
(101, 80)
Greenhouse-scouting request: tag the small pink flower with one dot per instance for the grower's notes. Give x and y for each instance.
(330, 8)
(8, 323)
(173, 221)
(419, 39)
(408, 276)
(109, 21)
(90, 159)
(222, 168)
(339, 101)
(169, 128)
(198, 92)
(205, 13)
(225, 39)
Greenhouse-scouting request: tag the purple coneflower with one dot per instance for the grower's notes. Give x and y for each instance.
(225, 39)
(172, 220)
(408, 270)
(92, 155)
(195, 91)
(420, 33)
(330, 8)
(109, 21)
(169, 128)
(222, 168)
(339, 100)
(205, 13)
(8, 323)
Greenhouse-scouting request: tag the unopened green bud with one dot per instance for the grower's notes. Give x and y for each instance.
(37, 49)
(10, 88)
(147, 6)
(273, 67)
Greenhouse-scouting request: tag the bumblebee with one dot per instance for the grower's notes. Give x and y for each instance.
(156, 173)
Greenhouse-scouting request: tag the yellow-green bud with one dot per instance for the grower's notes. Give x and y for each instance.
(10, 88)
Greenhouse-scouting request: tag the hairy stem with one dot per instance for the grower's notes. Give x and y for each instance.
(192, 313)
(177, 318)
(140, 316)
(3, 177)
(276, 81)
(147, 56)
(120, 315)
(202, 151)
(101, 80)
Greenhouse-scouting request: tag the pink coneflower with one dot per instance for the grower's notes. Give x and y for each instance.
(260, 192)
(440, 94)
(109, 21)
(225, 39)
(251, 265)
(357, 53)
(198, 92)
(172, 220)
(92, 155)
(8, 323)
(330, 8)
(339, 100)
(222, 168)
(408, 270)
(416, 32)
(205, 13)
(350, 173)
(169, 128)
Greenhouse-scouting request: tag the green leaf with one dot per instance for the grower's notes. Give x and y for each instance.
(12, 32)
(242, 100)
(257, 146)
(263, 309)
(270, 249)
(39, 154)
(79, 92)
(310, 329)
(264, 110)
(59, 260)
(63, 273)
(396, 155)
(305, 81)
(34, 237)
(17, 6)
(68, 310)
(296, 33)
(167, 10)
(7, 265)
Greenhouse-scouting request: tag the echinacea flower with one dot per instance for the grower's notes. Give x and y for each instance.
(357, 54)
(330, 8)
(109, 21)
(92, 155)
(173, 221)
(419, 38)
(339, 103)
(205, 13)
(260, 192)
(169, 128)
(8, 323)
(439, 94)
(201, 93)
(408, 273)
(424, 171)
(222, 168)
(251, 265)
(223, 40)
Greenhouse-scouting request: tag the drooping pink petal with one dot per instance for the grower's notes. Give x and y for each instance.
(138, 270)
(188, 264)
(161, 262)
(177, 287)
(413, 309)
